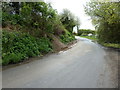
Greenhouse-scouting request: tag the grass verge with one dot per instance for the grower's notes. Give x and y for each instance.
(90, 37)
(110, 45)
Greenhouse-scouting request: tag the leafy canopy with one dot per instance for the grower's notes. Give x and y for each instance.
(106, 18)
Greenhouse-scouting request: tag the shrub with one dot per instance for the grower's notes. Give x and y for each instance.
(44, 45)
(67, 37)
(18, 46)
(85, 32)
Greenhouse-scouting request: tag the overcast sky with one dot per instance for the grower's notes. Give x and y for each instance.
(76, 7)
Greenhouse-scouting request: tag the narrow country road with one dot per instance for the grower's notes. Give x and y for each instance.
(85, 65)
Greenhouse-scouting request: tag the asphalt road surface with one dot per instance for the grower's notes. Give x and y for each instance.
(85, 65)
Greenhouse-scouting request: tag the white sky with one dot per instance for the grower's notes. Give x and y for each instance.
(76, 7)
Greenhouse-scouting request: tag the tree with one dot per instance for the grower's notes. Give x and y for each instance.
(37, 17)
(68, 20)
(105, 16)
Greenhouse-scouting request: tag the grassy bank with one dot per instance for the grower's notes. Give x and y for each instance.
(17, 47)
(67, 37)
(33, 29)
(110, 45)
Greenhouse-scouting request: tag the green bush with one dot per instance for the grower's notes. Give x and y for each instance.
(18, 46)
(85, 32)
(67, 37)
(11, 19)
(45, 45)
(109, 34)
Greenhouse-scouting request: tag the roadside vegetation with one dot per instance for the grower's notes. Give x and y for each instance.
(29, 29)
(87, 33)
(67, 37)
(19, 46)
(95, 39)
(105, 17)
(90, 37)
